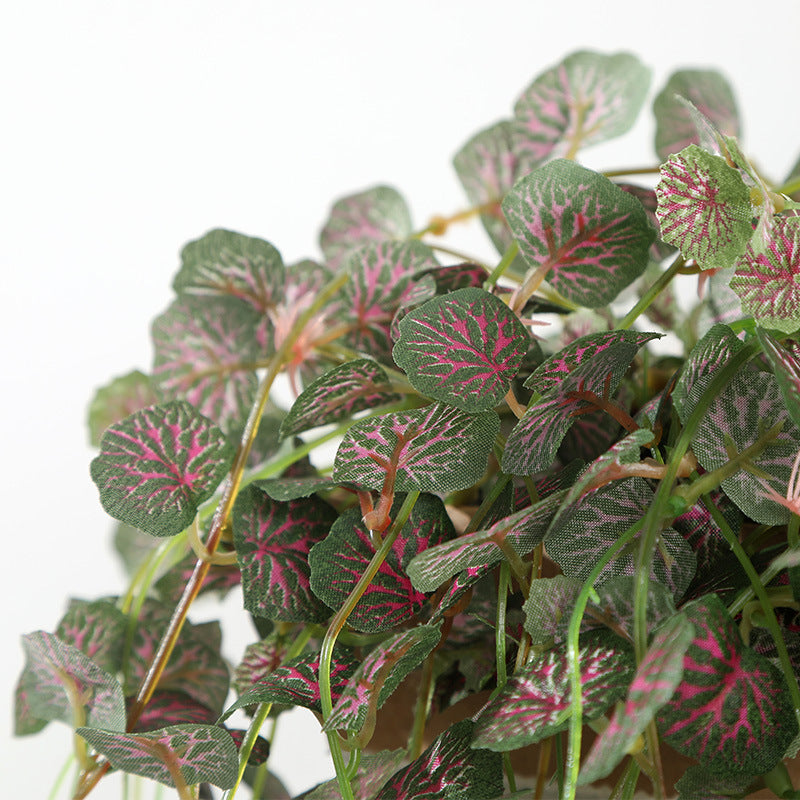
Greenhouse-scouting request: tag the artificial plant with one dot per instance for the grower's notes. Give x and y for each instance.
(593, 523)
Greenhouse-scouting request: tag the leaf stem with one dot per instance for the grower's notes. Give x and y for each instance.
(335, 627)
(424, 695)
(650, 295)
(619, 173)
(504, 263)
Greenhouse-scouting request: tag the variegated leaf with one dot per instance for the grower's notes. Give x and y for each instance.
(786, 365)
(97, 629)
(373, 772)
(585, 235)
(433, 449)
(157, 466)
(463, 348)
(117, 400)
(273, 540)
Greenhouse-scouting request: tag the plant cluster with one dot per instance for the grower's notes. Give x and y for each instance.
(594, 531)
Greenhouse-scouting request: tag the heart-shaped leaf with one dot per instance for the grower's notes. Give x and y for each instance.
(704, 208)
(207, 351)
(786, 366)
(272, 542)
(654, 683)
(732, 711)
(433, 449)
(61, 683)
(380, 673)
(339, 394)
(375, 215)
(709, 92)
(450, 769)
(117, 400)
(338, 562)
(535, 702)
(176, 755)
(158, 465)
(767, 279)
(296, 683)
(228, 264)
(587, 98)
(463, 348)
(585, 235)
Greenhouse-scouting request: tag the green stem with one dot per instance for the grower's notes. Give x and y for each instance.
(488, 501)
(620, 173)
(770, 620)
(424, 695)
(335, 627)
(650, 295)
(505, 262)
(573, 660)
(791, 187)
(504, 584)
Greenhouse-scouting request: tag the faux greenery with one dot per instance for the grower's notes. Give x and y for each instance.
(592, 523)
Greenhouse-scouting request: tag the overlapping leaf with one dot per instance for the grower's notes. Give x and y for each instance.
(434, 449)
(260, 660)
(704, 208)
(375, 215)
(597, 520)
(767, 279)
(532, 444)
(548, 607)
(654, 683)
(291, 488)
(207, 351)
(382, 281)
(786, 366)
(732, 711)
(379, 674)
(535, 703)
(296, 683)
(745, 410)
(97, 629)
(221, 578)
(273, 540)
(463, 348)
(373, 772)
(338, 562)
(228, 264)
(456, 276)
(157, 466)
(450, 769)
(522, 530)
(117, 400)
(709, 92)
(339, 394)
(61, 683)
(171, 707)
(198, 753)
(588, 237)
(587, 98)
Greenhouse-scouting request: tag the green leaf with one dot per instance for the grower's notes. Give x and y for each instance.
(586, 99)
(463, 348)
(586, 236)
(373, 772)
(157, 466)
(786, 366)
(197, 753)
(704, 208)
(117, 400)
(228, 264)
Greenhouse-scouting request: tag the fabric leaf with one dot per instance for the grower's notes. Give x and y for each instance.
(157, 466)
(463, 348)
(117, 400)
(786, 365)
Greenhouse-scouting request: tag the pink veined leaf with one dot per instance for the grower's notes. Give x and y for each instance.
(376, 215)
(339, 394)
(273, 540)
(379, 674)
(768, 280)
(704, 208)
(463, 348)
(260, 660)
(207, 351)
(697, 783)
(228, 264)
(582, 233)
(338, 562)
(157, 466)
(703, 534)
(456, 276)
(288, 488)
(117, 400)
(62, 683)
(26, 723)
(731, 712)
(548, 607)
(786, 366)
(172, 707)
(709, 92)
(433, 449)
(450, 769)
(373, 772)
(382, 281)
(97, 629)
(296, 683)
(535, 702)
(587, 98)
(191, 753)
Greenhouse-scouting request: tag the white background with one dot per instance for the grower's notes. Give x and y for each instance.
(129, 128)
